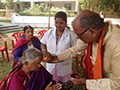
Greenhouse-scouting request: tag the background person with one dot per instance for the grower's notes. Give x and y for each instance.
(25, 42)
(55, 41)
(92, 9)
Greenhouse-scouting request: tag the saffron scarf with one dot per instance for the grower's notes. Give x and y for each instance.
(95, 73)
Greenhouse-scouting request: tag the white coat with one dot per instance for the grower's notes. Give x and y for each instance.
(67, 40)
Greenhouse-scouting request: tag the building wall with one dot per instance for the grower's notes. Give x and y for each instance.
(61, 4)
(58, 4)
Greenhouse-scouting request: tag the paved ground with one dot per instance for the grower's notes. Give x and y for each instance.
(42, 21)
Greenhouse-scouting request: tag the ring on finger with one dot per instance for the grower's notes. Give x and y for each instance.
(45, 58)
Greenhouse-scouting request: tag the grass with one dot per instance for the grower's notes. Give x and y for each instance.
(5, 21)
(80, 70)
(6, 67)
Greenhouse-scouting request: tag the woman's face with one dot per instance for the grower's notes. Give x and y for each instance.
(35, 65)
(29, 33)
(60, 24)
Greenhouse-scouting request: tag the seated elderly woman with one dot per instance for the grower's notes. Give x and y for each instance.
(25, 42)
(30, 74)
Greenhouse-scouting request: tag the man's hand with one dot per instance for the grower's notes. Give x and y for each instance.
(57, 86)
(47, 57)
(80, 81)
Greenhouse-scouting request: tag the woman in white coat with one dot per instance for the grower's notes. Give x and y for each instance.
(55, 41)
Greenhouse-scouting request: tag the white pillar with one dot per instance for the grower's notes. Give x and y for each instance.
(32, 3)
(77, 5)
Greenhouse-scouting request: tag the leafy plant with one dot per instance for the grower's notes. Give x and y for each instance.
(107, 5)
(41, 10)
(9, 4)
(2, 13)
(36, 8)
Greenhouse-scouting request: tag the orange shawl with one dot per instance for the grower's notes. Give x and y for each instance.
(95, 73)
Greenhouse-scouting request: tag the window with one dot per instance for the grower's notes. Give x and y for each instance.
(26, 4)
(68, 6)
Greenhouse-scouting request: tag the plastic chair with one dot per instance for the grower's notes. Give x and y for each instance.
(41, 33)
(15, 36)
(4, 48)
(76, 58)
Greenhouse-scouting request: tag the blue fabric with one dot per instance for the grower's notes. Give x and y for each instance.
(39, 80)
(18, 52)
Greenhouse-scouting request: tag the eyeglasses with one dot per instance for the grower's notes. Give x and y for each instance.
(79, 35)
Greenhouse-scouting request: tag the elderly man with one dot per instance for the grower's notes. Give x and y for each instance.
(102, 42)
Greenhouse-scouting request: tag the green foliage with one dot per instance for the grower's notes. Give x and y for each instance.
(40, 10)
(19, 10)
(2, 13)
(80, 71)
(83, 4)
(106, 4)
(111, 5)
(37, 8)
(55, 9)
(9, 4)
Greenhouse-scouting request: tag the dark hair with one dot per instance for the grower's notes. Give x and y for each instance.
(62, 15)
(26, 27)
(92, 21)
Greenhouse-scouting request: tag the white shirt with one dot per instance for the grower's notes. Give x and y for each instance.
(67, 40)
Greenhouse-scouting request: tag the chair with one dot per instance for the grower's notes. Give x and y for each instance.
(15, 36)
(41, 33)
(4, 48)
(76, 58)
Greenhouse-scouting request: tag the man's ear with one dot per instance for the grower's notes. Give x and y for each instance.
(94, 32)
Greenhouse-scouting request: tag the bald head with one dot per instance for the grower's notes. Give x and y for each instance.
(88, 19)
